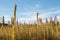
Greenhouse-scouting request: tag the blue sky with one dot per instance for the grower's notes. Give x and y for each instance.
(26, 9)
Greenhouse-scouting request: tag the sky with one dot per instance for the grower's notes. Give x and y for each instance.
(27, 9)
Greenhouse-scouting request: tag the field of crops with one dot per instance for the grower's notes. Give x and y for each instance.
(30, 32)
(43, 31)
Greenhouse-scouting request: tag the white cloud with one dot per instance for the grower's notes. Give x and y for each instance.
(6, 18)
(58, 17)
(37, 6)
(32, 17)
(43, 15)
(29, 14)
(27, 20)
(49, 14)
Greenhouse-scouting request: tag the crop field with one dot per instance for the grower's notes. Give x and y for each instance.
(50, 30)
(30, 32)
